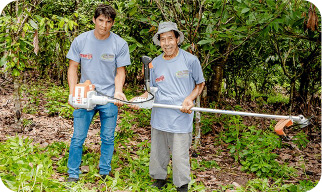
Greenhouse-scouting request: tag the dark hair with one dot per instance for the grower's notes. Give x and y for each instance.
(106, 10)
(176, 34)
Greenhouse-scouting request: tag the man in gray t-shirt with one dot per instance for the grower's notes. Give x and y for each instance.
(102, 56)
(178, 76)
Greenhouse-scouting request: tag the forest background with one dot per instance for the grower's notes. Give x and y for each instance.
(259, 56)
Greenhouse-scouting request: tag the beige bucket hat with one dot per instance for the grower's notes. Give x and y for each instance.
(165, 27)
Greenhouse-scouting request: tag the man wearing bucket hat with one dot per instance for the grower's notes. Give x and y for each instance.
(178, 76)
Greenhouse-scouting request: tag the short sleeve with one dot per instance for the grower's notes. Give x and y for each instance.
(74, 52)
(123, 56)
(197, 73)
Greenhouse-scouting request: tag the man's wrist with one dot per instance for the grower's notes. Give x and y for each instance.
(190, 98)
(118, 93)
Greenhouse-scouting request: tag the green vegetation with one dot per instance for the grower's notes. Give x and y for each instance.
(55, 102)
(245, 46)
(57, 99)
(28, 167)
(264, 185)
(25, 166)
(265, 55)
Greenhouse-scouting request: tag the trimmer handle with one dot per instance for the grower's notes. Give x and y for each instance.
(146, 61)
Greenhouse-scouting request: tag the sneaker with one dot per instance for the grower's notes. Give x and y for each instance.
(159, 183)
(72, 180)
(183, 188)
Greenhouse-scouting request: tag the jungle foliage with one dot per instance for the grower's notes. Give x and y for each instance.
(249, 46)
(265, 51)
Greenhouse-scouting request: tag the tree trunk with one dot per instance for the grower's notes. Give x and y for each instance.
(304, 84)
(197, 130)
(292, 95)
(215, 83)
(5, 55)
(17, 104)
(216, 80)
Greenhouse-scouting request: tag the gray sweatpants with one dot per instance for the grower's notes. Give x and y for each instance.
(179, 144)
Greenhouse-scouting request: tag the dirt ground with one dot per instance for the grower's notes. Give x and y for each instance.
(46, 130)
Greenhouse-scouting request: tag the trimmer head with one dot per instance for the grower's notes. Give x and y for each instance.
(300, 120)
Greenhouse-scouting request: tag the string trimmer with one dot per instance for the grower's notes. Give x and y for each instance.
(85, 96)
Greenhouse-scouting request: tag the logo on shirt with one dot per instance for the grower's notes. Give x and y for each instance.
(182, 74)
(86, 56)
(107, 57)
(159, 79)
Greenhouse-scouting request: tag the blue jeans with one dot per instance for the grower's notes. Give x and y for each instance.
(82, 121)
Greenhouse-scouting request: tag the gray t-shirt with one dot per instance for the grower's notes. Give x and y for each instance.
(175, 80)
(99, 59)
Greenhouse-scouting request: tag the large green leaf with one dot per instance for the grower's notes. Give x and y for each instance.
(245, 10)
(132, 47)
(15, 72)
(205, 41)
(33, 24)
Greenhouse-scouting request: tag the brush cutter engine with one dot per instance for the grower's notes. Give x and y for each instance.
(86, 97)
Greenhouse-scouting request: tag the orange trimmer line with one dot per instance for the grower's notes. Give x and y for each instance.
(281, 124)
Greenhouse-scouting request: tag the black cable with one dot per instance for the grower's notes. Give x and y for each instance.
(126, 102)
